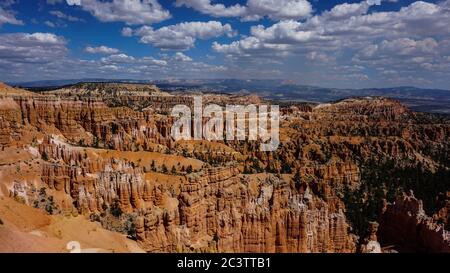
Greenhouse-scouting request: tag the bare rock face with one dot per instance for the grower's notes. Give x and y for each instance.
(443, 214)
(240, 199)
(94, 183)
(88, 122)
(216, 210)
(9, 115)
(374, 108)
(405, 225)
(5, 132)
(221, 212)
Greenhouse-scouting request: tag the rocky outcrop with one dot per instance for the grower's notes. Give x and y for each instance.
(93, 183)
(5, 132)
(405, 225)
(10, 118)
(443, 213)
(217, 209)
(242, 199)
(221, 212)
(89, 122)
(371, 108)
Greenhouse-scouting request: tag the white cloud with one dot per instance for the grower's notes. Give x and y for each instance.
(349, 25)
(109, 67)
(216, 10)
(406, 46)
(64, 16)
(153, 61)
(74, 2)
(284, 32)
(118, 58)
(179, 56)
(101, 50)
(50, 24)
(7, 17)
(38, 39)
(316, 56)
(37, 56)
(131, 12)
(350, 43)
(127, 32)
(345, 10)
(278, 9)
(411, 41)
(27, 48)
(180, 36)
(253, 10)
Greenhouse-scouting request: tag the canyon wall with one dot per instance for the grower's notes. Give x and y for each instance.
(217, 209)
(406, 225)
(238, 199)
(222, 212)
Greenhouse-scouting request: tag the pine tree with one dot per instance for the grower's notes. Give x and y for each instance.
(44, 156)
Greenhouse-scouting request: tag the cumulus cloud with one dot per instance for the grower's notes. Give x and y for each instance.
(179, 56)
(345, 10)
(180, 36)
(118, 58)
(152, 68)
(131, 12)
(253, 10)
(127, 32)
(349, 44)
(152, 61)
(411, 41)
(74, 2)
(217, 10)
(31, 48)
(37, 56)
(278, 9)
(101, 50)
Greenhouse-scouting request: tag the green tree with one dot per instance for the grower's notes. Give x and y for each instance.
(115, 209)
(164, 168)
(44, 156)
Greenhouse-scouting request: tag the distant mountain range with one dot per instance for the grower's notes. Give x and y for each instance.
(418, 99)
(58, 83)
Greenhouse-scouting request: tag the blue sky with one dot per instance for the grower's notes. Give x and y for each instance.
(373, 43)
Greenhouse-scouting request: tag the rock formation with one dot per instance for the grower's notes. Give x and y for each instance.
(237, 199)
(405, 224)
(218, 211)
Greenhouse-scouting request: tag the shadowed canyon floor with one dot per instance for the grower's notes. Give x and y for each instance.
(95, 163)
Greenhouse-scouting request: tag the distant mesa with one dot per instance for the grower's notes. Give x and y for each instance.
(418, 99)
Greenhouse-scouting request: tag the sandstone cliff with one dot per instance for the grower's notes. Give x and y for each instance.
(405, 224)
(71, 155)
